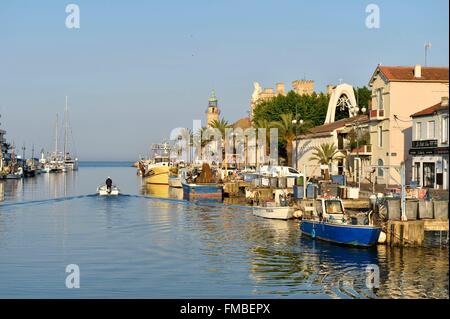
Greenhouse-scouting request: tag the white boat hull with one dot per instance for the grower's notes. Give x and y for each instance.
(277, 212)
(103, 191)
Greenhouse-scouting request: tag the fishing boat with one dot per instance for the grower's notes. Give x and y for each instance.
(103, 190)
(156, 170)
(202, 191)
(328, 221)
(202, 184)
(274, 212)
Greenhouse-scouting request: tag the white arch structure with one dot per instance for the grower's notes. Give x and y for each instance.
(342, 96)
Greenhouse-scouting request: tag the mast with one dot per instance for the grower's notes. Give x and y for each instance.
(65, 131)
(56, 136)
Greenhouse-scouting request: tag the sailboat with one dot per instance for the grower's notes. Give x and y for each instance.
(70, 163)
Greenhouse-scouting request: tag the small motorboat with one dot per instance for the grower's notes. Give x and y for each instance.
(104, 191)
(274, 212)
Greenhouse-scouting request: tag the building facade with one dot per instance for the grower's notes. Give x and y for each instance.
(429, 149)
(397, 92)
(331, 133)
(300, 87)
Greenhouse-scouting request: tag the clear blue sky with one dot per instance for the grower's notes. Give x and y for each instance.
(137, 69)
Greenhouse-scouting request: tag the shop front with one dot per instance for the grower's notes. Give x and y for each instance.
(430, 164)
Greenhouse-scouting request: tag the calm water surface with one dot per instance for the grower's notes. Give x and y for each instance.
(137, 245)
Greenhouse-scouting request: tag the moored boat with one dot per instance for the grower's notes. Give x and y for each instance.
(156, 174)
(275, 212)
(329, 222)
(202, 191)
(353, 235)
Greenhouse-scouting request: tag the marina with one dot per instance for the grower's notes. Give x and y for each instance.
(234, 151)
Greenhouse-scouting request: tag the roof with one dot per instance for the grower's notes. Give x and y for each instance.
(431, 110)
(331, 127)
(242, 123)
(406, 73)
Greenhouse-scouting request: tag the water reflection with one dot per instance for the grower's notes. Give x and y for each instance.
(135, 246)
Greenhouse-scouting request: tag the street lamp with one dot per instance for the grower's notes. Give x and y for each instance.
(363, 110)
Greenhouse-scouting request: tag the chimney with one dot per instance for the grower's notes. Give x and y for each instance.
(444, 101)
(280, 88)
(418, 71)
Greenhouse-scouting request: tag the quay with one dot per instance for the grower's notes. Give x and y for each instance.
(412, 233)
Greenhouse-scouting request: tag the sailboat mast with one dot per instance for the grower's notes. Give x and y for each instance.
(65, 131)
(56, 136)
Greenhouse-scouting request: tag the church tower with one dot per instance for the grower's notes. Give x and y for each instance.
(213, 112)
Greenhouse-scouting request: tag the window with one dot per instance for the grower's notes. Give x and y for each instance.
(380, 136)
(445, 129)
(423, 131)
(431, 129)
(418, 130)
(380, 169)
(380, 99)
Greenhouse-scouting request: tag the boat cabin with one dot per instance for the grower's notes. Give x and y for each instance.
(326, 209)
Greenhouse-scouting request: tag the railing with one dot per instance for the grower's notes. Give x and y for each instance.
(362, 150)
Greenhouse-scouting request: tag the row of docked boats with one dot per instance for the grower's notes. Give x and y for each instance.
(58, 161)
(321, 218)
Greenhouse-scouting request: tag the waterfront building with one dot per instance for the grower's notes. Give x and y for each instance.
(397, 92)
(332, 133)
(429, 149)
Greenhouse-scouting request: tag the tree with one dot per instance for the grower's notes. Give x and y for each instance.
(312, 108)
(221, 125)
(325, 154)
(287, 132)
(363, 97)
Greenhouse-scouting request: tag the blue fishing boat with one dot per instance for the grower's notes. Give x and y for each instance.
(354, 235)
(328, 222)
(202, 191)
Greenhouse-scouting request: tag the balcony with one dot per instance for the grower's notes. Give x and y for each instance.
(362, 150)
(376, 115)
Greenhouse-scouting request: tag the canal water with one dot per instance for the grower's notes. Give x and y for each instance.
(148, 243)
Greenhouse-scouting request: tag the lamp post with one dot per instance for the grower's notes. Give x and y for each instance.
(357, 123)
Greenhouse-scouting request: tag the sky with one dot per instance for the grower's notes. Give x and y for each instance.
(135, 70)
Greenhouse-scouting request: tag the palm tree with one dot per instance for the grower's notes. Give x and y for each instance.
(287, 131)
(222, 125)
(263, 123)
(325, 154)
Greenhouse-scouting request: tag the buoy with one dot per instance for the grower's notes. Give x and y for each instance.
(313, 233)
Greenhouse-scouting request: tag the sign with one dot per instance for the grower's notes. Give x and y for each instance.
(429, 151)
(425, 143)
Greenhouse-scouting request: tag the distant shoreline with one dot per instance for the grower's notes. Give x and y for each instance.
(106, 163)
